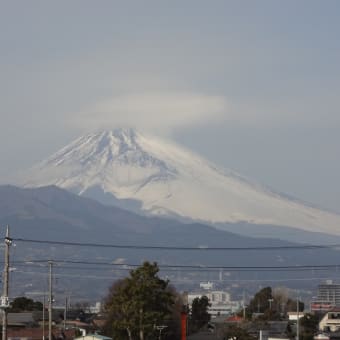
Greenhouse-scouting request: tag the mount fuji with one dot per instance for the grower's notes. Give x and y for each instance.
(161, 178)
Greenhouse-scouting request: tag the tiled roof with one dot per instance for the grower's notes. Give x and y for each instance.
(19, 319)
(36, 333)
(234, 318)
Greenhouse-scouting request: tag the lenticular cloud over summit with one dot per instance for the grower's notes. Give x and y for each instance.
(154, 111)
(168, 180)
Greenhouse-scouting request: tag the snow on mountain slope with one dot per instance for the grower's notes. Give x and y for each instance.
(170, 180)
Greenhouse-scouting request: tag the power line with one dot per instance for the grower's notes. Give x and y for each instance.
(199, 248)
(129, 266)
(101, 277)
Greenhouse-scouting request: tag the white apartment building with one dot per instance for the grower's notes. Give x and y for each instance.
(219, 300)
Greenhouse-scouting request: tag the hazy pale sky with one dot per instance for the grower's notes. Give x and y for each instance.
(252, 85)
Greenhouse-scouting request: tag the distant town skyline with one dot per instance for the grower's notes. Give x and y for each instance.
(252, 86)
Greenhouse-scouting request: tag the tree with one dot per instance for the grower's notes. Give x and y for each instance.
(292, 306)
(280, 297)
(309, 324)
(138, 303)
(21, 304)
(261, 301)
(272, 305)
(199, 315)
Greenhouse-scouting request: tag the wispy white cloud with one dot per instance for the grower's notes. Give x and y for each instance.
(154, 111)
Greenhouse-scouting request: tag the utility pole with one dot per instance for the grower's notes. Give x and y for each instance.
(43, 330)
(4, 298)
(270, 303)
(65, 313)
(297, 318)
(160, 328)
(50, 301)
(244, 305)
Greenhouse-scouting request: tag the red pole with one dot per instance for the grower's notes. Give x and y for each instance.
(184, 325)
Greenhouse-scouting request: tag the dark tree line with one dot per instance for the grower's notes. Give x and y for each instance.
(271, 306)
(24, 304)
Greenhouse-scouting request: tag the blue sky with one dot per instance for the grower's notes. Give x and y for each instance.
(251, 85)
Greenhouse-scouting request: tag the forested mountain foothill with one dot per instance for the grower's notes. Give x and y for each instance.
(55, 215)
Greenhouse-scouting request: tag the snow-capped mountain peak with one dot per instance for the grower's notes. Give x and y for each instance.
(170, 180)
(106, 146)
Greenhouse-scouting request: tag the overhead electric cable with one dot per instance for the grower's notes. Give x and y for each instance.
(99, 277)
(199, 248)
(129, 266)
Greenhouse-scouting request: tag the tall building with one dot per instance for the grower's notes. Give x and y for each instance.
(328, 297)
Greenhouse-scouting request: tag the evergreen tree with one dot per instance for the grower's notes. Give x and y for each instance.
(309, 326)
(261, 301)
(138, 303)
(199, 316)
(22, 304)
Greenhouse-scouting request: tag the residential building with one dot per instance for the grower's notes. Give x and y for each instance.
(293, 316)
(93, 337)
(322, 336)
(219, 300)
(207, 285)
(331, 321)
(328, 297)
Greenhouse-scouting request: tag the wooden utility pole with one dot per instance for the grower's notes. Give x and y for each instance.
(160, 329)
(297, 317)
(65, 313)
(4, 298)
(43, 330)
(50, 301)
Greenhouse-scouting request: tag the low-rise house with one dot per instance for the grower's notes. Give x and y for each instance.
(293, 316)
(234, 319)
(37, 334)
(20, 320)
(331, 321)
(93, 337)
(202, 336)
(99, 321)
(322, 336)
(274, 330)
